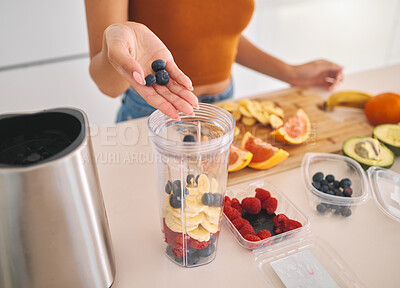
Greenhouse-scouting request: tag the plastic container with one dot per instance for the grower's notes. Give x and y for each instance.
(340, 167)
(192, 168)
(285, 206)
(295, 258)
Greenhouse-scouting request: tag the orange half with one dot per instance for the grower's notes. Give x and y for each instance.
(295, 130)
(238, 158)
(265, 155)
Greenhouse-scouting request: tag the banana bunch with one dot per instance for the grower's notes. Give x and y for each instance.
(250, 112)
(354, 99)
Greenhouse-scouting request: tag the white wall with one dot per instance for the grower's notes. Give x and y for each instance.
(359, 34)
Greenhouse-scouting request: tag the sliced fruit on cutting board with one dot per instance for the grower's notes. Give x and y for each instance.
(295, 130)
(368, 152)
(264, 154)
(389, 134)
(239, 158)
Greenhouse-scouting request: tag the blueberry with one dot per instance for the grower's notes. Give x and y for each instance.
(330, 192)
(193, 259)
(213, 239)
(192, 250)
(178, 259)
(158, 65)
(323, 182)
(176, 186)
(205, 252)
(196, 180)
(218, 200)
(318, 177)
(331, 186)
(347, 192)
(150, 79)
(321, 208)
(185, 192)
(330, 178)
(175, 200)
(346, 182)
(207, 199)
(336, 209)
(168, 187)
(169, 251)
(316, 185)
(339, 193)
(324, 188)
(162, 77)
(336, 184)
(190, 179)
(346, 211)
(189, 138)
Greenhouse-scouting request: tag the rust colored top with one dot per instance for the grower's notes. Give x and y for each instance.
(202, 35)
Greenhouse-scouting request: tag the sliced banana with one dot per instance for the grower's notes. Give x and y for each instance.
(203, 184)
(214, 185)
(200, 234)
(248, 121)
(212, 220)
(212, 228)
(237, 131)
(175, 225)
(275, 121)
(237, 115)
(196, 220)
(212, 212)
(230, 106)
(194, 206)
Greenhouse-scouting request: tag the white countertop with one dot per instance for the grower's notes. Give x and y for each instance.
(368, 241)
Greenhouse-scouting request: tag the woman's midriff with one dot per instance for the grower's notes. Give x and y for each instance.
(212, 89)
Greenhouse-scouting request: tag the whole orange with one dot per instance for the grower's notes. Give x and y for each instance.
(384, 108)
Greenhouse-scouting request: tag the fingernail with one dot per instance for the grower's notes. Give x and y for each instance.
(138, 78)
(190, 88)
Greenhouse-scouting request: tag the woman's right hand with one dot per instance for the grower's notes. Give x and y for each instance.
(131, 48)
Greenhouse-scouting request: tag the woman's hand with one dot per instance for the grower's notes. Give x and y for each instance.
(131, 48)
(320, 73)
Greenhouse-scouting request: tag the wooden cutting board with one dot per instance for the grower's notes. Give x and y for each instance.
(327, 133)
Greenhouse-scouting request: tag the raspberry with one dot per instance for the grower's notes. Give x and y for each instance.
(179, 239)
(263, 234)
(168, 231)
(251, 237)
(246, 229)
(239, 222)
(270, 205)
(262, 194)
(279, 220)
(227, 201)
(170, 240)
(252, 205)
(178, 251)
(236, 204)
(292, 224)
(197, 245)
(231, 213)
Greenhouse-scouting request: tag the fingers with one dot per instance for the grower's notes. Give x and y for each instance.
(158, 101)
(179, 103)
(185, 94)
(178, 75)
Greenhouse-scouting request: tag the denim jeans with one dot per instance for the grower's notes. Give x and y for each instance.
(134, 106)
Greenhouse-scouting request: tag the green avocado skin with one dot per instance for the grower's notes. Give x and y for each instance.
(395, 149)
(347, 151)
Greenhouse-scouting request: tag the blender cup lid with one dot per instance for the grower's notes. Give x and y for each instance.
(385, 186)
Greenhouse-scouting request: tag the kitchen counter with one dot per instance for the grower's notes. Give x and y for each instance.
(368, 241)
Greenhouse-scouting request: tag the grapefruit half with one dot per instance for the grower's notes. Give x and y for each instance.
(264, 154)
(238, 158)
(295, 130)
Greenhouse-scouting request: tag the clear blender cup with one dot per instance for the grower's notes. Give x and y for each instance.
(192, 168)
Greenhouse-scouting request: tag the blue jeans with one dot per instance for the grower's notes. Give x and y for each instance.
(134, 106)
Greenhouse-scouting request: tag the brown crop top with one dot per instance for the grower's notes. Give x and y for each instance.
(202, 35)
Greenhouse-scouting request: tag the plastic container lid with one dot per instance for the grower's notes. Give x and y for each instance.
(385, 186)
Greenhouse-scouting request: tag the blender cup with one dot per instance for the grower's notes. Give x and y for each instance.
(192, 168)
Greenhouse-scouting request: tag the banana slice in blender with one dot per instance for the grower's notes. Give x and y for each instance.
(176, 226)
(194, 206)
(214, 185)
(203, 184)
(212, 228)
(200, 234)
(196, 220)
(212, 212)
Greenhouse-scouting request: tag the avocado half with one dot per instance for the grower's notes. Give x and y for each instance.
(389, 134)
(368, 152)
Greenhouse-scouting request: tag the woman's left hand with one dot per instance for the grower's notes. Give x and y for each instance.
(319, 73)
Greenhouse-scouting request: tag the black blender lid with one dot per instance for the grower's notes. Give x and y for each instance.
(34, 138)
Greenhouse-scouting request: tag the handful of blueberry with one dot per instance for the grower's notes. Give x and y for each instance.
(161, 76)
(174, 189)
(329, 185)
